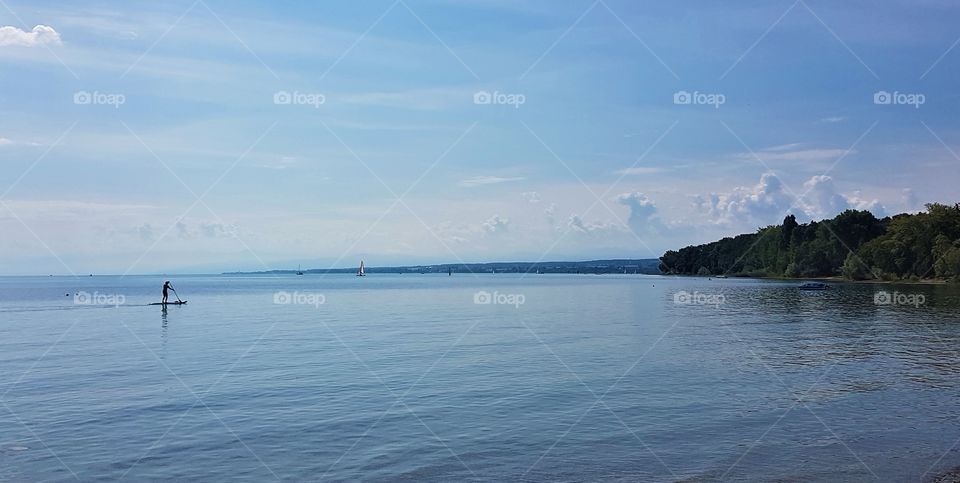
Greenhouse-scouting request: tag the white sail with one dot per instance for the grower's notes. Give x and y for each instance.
(360, 272)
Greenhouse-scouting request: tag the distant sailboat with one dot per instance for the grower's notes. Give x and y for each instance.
(299, 272)
(360, 272)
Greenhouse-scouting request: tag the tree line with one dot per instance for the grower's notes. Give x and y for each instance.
(855, 245)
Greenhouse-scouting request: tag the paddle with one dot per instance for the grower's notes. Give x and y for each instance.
(176, 294)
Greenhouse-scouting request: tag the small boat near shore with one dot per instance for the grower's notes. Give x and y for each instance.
(813, 286)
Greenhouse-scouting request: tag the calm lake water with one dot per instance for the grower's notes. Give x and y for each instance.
(407, 377)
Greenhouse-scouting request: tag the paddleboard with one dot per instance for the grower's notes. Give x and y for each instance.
(169, 303)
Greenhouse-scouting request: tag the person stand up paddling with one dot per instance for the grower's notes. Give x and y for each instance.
(166, 288)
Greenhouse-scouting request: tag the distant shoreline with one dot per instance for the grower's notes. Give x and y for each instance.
(646, 266)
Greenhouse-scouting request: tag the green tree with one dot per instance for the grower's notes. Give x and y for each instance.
(855, 244)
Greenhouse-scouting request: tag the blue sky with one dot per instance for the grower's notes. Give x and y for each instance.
(146, 137)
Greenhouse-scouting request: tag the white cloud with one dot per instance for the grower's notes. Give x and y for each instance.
(5, 142)
(576, 224)
(763, 203)
(41, 34)
(461, 232)
(183, 231)
(551, 213)
(283, 163)
(218, 230)
(824, 201)
(204, 229)
(531, 196)
(75, 209)
(769, 201)
(784, 147)
(834, 119)
(801, 155)
(910, 200)
(416, 99)
(495, 224)
(640, 171)
(643, 213)
(484, 180)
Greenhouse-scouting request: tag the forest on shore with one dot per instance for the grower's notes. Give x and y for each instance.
(855, 245)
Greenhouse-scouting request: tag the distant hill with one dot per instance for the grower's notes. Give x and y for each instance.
(644, 266)
(855, 245)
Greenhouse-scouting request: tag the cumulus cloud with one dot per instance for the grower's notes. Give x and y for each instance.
(643, 213)
(824, 201)
(217, 230)
(551, 213)
(205, 230)
(183, 231)
(495, 224)
(484, 180)
(769, 201)
(576, 224)
(910, 200)
(531, 196)
(643, 220)
(763, 203)
(460, 232)
(40, 35)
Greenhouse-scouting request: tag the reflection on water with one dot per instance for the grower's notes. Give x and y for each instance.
(163, 331)
(592, 378)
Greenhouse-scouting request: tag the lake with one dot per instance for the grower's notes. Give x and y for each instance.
(487, 377)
